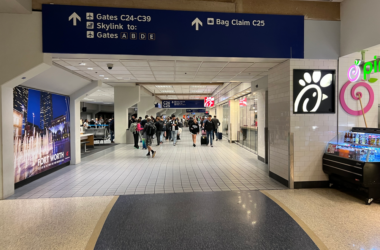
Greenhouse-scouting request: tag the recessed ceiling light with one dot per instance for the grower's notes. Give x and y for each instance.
(196, 91)
(164, 86)
(106, 78)
(197, 86)
(82, 64)
(101, 75)
(90, 68)
(167, 91)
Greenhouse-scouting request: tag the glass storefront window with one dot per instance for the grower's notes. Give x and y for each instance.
(247, 135)
(226, 118)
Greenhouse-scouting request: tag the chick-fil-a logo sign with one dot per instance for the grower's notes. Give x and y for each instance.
(355, 74)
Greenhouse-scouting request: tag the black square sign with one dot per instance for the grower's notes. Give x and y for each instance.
(313, 91)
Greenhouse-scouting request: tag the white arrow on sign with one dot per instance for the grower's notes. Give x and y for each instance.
(197, 22)
(74, 16)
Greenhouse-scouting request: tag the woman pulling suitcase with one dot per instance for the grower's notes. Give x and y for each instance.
(194, 129)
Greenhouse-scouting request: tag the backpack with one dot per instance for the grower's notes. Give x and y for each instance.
(151, 130)
(133, 127)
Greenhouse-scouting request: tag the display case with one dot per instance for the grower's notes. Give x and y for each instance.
(353, 159)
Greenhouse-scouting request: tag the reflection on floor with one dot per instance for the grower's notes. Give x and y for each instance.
(340, 220)
(175, 169)
(212, 220)
(98, 147)
(325, 218)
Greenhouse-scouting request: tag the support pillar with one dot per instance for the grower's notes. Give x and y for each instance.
(233, 124)
(75, 100)
(125, 97)
(146, 103)
(171, 112)
(219, 115)
(21, 60)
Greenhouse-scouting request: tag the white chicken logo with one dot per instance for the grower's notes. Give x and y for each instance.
(308, 84)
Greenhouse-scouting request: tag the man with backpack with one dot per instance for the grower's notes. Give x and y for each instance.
(135, 132)
(209, 127)
(149, 131)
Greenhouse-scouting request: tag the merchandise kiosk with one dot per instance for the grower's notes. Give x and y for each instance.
(352, 159)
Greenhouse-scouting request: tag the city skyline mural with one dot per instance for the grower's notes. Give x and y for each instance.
(41, 130)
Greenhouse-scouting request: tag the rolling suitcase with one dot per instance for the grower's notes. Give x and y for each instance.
(220, 136)
(204, 140)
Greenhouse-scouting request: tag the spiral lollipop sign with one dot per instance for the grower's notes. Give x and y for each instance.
(357, 74)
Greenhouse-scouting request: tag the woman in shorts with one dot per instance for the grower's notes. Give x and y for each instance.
(194, 129)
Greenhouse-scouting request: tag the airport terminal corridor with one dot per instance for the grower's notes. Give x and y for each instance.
(124, 170)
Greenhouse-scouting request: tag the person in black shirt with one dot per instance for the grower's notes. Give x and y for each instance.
(209, 127)
(159, 125)
(194, 129)
(143, 122)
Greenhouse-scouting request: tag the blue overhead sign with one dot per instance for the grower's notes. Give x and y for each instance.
(100, 30)
(182, 104)
(195, 110)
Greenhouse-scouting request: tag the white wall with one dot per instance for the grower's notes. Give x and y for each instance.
(311, 132)
(322, 39)
(125, 97)
(260, 95)
(21, 47)
(279, 118)
(359, 25)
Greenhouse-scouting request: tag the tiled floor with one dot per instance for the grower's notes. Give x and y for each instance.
(175, 169)
(340, 220)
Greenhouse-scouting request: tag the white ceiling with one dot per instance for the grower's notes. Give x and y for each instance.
(58, 81)
(166, 70)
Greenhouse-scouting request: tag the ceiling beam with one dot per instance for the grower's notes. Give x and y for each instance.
(182, 83)
(200, 94)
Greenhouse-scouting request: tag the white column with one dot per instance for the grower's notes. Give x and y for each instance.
(22, 59)
(233, 125)
(178, 112)
(125, 97)
(7, 162)
(171, 111)
(75, 100)
(153, 111)
(219, 115)
(260, 95)
(145, 104)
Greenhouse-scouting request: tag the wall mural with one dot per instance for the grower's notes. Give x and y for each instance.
(41, 131)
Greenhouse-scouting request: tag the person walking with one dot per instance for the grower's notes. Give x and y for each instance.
(140, 129)
(134, 130)
(174, 129)
(194, 130)
(112, 129)
(168, 129)
(85, 124)
(159, 126)
(209, 127)
(163, 130)
(216, 123)
(148, 132)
